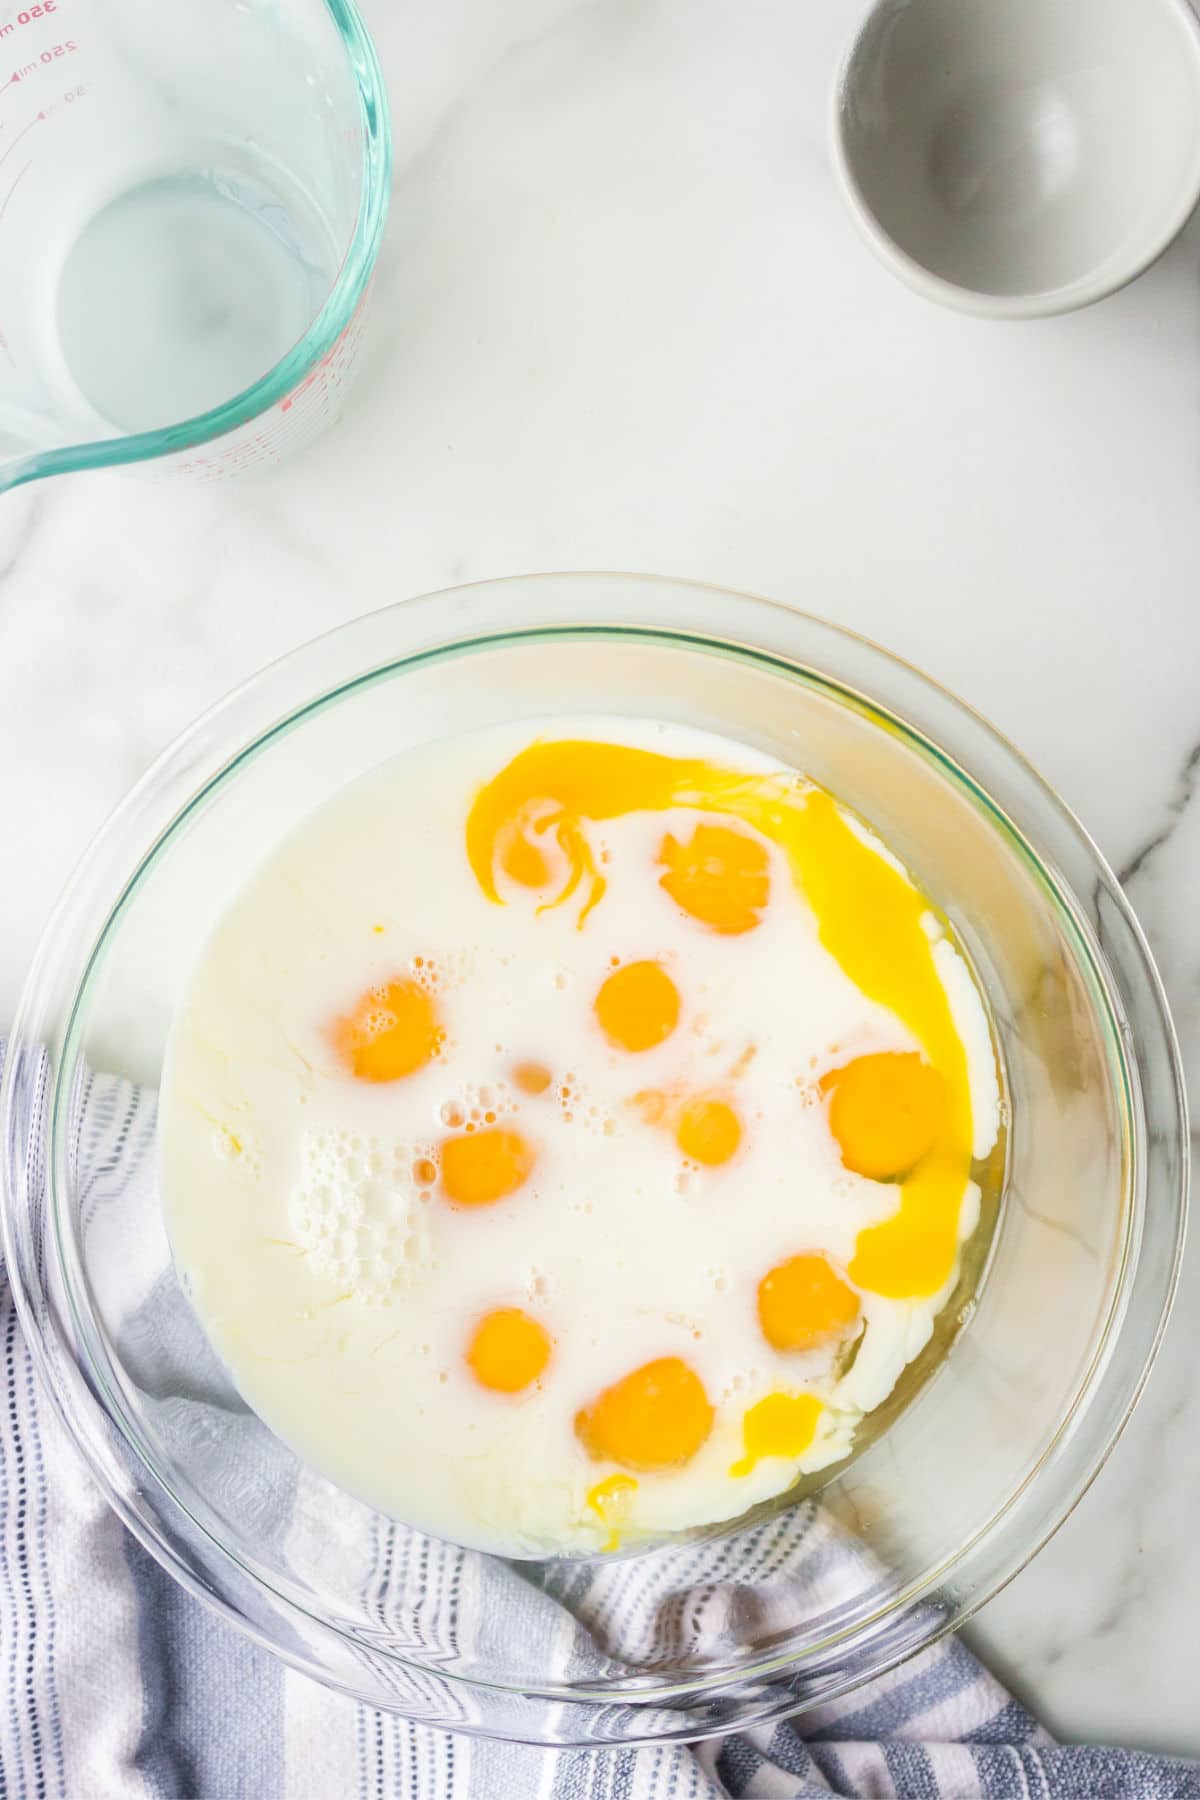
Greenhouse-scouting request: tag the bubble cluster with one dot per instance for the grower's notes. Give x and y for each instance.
(575, 1107)
(357, 1212)
(476, 1104)
(437, 973)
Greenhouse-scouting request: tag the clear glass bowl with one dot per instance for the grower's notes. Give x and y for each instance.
(688, 1638)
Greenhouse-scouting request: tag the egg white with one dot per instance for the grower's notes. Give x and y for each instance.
(340, 1292)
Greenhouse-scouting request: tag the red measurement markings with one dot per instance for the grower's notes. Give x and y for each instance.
(27, 15)
(47, 57)
(315, 374)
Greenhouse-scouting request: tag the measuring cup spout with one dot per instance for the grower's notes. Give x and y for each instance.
(191, 203)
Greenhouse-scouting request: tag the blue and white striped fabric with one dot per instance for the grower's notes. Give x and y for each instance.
(117, 1685)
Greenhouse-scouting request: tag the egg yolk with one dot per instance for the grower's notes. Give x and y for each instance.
(523, 861)
(869, 916)
(609, 1500)
(638, 1006)
(532, 1077)
(481, 1167)
(780, 1425)
(656, 1417)
(708, 1131)
(393, 1031)
(885, 1112)
(720, 876)
(803, 1304)
(508, 1350)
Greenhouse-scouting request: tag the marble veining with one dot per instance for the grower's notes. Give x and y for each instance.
(1177, 806)
(621, 320)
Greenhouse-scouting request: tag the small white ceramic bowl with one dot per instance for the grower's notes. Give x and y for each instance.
(1015, 158)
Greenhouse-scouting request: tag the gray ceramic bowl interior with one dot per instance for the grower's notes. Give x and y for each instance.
(1016, 157)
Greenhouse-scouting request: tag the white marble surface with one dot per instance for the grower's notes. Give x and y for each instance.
(621, 321)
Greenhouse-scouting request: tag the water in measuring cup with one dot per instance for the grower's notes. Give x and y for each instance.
(185, 290)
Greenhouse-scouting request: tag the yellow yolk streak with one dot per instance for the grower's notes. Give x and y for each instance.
(869, 917)
(780, 1425)
(609, 1500)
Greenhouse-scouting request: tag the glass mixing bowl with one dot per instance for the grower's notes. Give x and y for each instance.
(687, 1638)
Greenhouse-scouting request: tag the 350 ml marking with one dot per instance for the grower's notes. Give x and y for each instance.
(27, 15)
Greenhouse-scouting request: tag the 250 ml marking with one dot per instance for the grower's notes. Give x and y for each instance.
(47, 56)
(27, 16)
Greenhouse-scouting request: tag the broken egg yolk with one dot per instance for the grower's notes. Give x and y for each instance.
(885, 1112)
(638, 1006)
(656, 1417)
(481, 1167)
(523, 861)
(804, 1304)
(780, 1425)
(868, 914)
(393, 1031)
(708, 1131)
(508, 1350)
(720, 877)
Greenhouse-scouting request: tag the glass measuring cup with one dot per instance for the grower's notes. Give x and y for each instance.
(191, 202)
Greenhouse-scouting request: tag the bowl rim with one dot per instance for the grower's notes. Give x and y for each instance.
(1107, 277)
(678, 601)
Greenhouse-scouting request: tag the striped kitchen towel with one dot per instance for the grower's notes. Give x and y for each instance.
(118, 1685)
